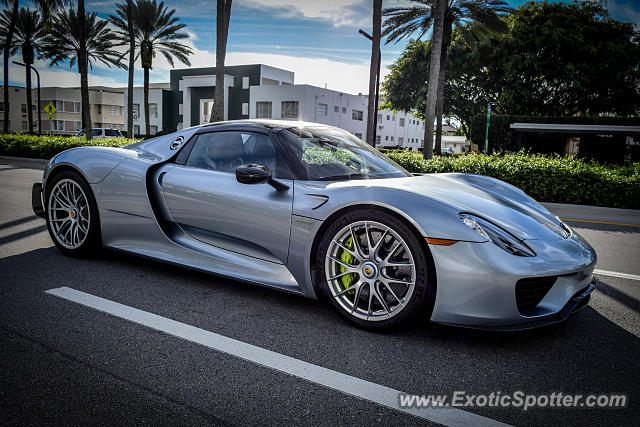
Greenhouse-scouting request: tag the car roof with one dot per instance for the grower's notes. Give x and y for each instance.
(264, 123)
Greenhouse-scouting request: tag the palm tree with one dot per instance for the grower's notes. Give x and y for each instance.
(223, 14)
(157, 31)
(9, 29)
(417, 18)
(29, 39)
(63, 43)
(124, 21)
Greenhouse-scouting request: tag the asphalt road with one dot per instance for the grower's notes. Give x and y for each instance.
(64, 363)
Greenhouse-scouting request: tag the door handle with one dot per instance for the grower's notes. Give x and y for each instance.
(160, 178)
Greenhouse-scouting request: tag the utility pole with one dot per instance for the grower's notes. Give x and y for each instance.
(486, 135)
(372, 113)
(39, 105)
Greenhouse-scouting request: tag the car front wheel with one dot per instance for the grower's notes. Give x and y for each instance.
(376, 273)
(72, 214)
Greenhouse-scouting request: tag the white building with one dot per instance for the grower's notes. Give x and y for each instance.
(310, 103)
(156, 93)
(399, 129)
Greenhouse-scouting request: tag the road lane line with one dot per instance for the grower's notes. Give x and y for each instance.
(600, 222)
(616, 274)
(347, 384)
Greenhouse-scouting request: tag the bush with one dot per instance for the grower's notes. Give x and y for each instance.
(545, 178)
(45, 147)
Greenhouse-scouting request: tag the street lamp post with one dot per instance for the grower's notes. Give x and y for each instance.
(375, 116)
(39, 104)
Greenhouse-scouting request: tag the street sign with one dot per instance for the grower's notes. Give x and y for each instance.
(50, 110)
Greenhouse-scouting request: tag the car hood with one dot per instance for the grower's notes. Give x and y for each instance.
(492, 199)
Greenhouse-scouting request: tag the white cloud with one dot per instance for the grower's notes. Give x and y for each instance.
(338, 12)
(56, 76)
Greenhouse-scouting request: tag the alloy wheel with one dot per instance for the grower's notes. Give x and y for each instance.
(69, 214)
(370, 270)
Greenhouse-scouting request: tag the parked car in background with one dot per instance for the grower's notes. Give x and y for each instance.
(102, 133)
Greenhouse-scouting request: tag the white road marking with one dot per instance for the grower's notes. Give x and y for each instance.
(347, 384)
(616, 274)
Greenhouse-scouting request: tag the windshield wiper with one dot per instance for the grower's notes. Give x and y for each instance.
(345, 177)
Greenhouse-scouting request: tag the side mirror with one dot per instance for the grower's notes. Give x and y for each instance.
(258, 174)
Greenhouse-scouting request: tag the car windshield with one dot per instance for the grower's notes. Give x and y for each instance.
(329, 154)
(96, 132)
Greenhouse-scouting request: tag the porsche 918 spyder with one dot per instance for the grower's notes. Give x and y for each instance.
(310, 209)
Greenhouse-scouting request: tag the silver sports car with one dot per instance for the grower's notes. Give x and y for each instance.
(312, 210)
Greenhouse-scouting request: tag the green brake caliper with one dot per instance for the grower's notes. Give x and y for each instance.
(347, 258)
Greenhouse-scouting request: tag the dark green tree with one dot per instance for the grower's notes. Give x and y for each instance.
(417, 18)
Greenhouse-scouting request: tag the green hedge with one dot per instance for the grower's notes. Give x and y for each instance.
(45, 147)
(545, 178)
(502, 138)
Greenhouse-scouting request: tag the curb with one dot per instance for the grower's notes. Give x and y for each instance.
(23, 160)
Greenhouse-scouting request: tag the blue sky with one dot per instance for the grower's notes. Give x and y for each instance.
(318, 40)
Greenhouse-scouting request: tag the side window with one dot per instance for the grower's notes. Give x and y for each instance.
(225, 151)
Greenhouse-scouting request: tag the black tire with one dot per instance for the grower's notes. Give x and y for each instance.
(420, 303)
(93, 241)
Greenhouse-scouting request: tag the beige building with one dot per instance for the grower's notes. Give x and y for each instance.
(107, 109)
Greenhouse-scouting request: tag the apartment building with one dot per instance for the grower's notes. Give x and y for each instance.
(311, 104)
(107, 109)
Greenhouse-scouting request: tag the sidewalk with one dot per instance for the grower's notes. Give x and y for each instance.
(595, 214)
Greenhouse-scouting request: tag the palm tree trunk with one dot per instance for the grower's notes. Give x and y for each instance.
(434, 73)
(83, 69)
(7, 48)
(446, 41)
(373, 71)
(146, 103)
(132, 59)
(29, 100)
(223, 13)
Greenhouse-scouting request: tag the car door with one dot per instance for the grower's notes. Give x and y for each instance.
(205, 199)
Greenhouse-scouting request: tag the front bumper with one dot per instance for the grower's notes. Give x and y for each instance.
(476, 283)
(36, 200)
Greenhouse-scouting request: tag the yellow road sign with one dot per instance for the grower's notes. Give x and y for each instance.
(50, 110)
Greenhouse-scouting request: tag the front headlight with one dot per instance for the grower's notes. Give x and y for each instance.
(501, 238)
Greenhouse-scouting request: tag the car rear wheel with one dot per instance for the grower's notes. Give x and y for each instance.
(72, 215)
(376, 273)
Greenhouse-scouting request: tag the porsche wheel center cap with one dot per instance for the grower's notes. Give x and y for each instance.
(369, 270)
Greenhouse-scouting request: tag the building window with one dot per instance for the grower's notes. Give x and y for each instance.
(356, 115)
(344, 110)
(379, 118)
(263, 110)
(336, 109)
(358, 135)
(391, 139)
(2, 107)
(388, 117)
(400, 140)
(323, 109)
(115, 110)
(153, 129)
(153, 111)
(378, 139)
(136, 111)
(23, 108)
(245, 83)
(401, 122)
(25, 124)
(289, 110)
(245, 108)
(136, 129)
(386, 138)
